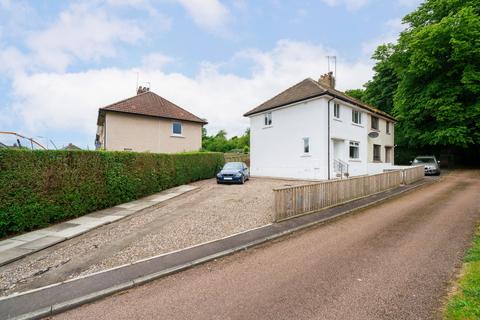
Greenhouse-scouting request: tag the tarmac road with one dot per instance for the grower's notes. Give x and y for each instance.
(392, 261)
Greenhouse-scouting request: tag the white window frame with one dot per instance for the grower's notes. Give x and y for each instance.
(173, 128)
(336, 110)
(356, 116)
(354, 144)
(267, 119)
(306, 145)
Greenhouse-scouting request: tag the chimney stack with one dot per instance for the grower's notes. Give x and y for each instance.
(327, 80)
(142, 90)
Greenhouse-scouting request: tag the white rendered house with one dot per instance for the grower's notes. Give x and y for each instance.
(312, 131)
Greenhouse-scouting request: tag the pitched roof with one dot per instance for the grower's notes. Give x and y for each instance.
(308, 89)
(151, 104)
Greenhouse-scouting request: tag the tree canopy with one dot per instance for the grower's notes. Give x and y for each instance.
(430, 78)
(220, 143)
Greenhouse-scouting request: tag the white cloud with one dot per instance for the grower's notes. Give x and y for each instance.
(56, 101)
(156, 61)
(350, 4)
(84, 33)
(209, 14)
(13, 61)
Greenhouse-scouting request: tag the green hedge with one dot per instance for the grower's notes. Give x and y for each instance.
(38, 188)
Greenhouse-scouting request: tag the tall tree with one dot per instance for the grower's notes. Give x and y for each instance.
(437, 61)
(380, 91)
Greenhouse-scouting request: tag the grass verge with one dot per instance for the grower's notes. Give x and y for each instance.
(465, 302)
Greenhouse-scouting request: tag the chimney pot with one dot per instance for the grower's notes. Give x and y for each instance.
(142, 90)
(327, 80)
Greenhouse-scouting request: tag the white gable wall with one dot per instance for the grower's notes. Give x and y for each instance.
(277, 150)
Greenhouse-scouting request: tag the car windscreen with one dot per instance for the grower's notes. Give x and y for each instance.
(232, 166)
(424, 160)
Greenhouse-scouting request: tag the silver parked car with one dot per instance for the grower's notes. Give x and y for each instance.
(432, 166)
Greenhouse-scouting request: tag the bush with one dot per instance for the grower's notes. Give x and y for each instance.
(39, 188)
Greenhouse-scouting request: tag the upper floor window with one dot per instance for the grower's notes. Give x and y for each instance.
(374, 123)
(306, 145)
(268, 119)
(387, 128)
(354, 150)
(356, 117)
(177, 128)
(336, 110)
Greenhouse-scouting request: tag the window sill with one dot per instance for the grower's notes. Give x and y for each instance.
(177, 136)
(337, 119)
(354, 160)
(267, 127)
(388, 133)
(377, 161)
(305, 155)
(376, 130)
(357, 125)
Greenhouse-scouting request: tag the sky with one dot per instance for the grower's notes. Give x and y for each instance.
(62, 60)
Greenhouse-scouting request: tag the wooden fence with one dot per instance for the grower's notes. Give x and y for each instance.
(304, 199)
(413, 174)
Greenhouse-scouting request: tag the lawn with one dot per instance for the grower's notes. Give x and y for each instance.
(465, 303)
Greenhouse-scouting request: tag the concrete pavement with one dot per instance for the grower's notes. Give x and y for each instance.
(61, 296)
(20, 246)
(391, 261)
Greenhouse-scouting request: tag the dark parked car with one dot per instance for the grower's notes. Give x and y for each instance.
(432, 166)
(233, 172)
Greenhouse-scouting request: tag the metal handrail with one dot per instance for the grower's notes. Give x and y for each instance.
(340, 166)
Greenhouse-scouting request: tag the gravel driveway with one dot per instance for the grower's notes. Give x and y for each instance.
(391, 261)
(207, 213)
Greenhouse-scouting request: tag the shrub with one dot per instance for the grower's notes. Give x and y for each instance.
(39, 188)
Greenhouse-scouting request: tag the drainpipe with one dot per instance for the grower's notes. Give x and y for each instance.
(328, 135)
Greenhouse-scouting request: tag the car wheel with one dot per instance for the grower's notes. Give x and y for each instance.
(243, 180)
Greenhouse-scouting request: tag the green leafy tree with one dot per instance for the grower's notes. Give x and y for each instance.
(380, 91)
(430, 79)
(437, 61)
(220, 143)
(356, 94)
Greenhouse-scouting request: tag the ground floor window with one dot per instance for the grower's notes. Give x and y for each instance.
(354, 150)
(376, 153)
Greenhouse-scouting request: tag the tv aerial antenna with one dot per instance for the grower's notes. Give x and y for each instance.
(332, 60)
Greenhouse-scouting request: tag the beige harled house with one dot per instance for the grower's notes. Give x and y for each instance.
(148, 123)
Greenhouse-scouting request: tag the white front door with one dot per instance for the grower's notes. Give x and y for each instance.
(339, 150)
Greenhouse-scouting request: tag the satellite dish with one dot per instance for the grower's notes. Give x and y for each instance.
(373, 134)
